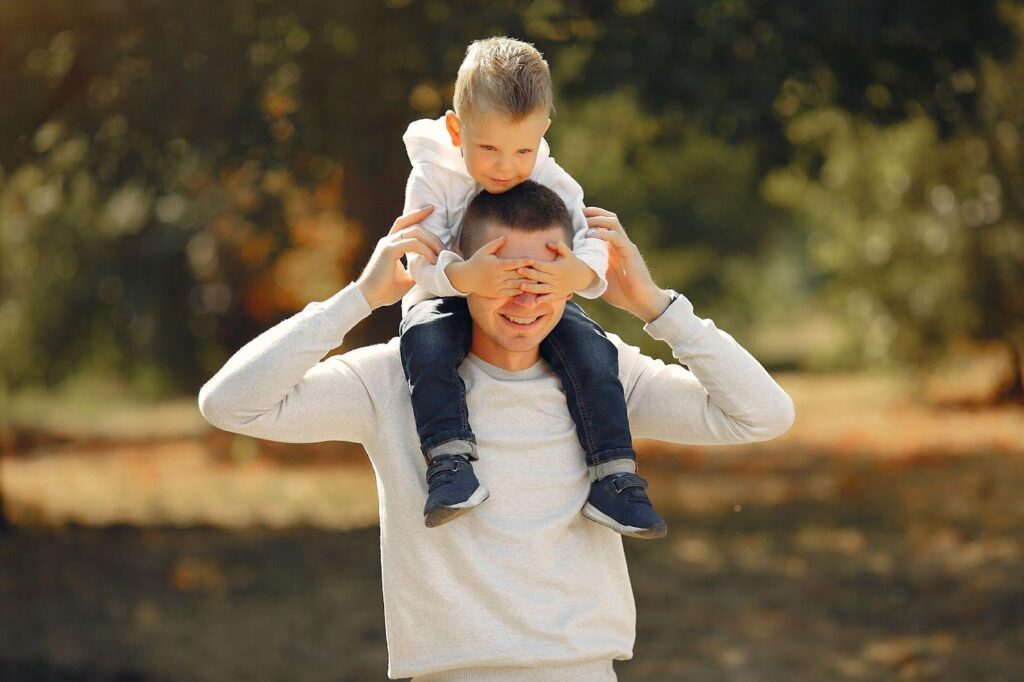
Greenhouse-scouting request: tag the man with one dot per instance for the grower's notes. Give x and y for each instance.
(525, 588)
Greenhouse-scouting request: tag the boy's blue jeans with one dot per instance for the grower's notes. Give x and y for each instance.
(435, 338)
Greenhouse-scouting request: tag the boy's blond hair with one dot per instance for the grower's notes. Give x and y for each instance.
(503, 76)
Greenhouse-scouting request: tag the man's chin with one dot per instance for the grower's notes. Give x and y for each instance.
(518, 345)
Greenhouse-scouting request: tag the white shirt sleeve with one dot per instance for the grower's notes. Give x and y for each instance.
(725, 397)
(593, 252)
(278, 387)
(427, 187)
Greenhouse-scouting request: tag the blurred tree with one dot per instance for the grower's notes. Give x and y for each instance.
(711, 87)
(174, 178)
(922, 238)
(736, 68)
(690, 201)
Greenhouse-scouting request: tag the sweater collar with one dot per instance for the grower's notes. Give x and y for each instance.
(536, 371)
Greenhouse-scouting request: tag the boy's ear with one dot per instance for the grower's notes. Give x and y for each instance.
(546, 128)
(454, 126)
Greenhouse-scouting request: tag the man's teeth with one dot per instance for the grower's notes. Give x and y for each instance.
(521, 320)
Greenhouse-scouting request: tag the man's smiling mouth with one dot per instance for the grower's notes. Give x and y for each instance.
(521, 321)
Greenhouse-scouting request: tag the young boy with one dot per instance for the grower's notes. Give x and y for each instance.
(492, 142)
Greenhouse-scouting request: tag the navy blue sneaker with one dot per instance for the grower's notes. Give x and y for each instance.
(620, 502)
(453, 490)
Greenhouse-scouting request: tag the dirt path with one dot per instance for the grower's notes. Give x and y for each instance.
(846, 569)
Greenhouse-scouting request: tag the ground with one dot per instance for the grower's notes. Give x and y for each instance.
(880, 539)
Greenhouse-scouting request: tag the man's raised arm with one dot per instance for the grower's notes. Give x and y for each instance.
(276, 387)
(726, 396)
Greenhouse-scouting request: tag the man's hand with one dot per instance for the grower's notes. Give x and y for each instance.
(630, 285)
(565, 275)
(384, 279)
(485, 274)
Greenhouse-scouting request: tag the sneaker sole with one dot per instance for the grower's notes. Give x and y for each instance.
(439, 516)
(655, 532)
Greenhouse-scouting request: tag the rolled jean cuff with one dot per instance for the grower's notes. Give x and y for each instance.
(453, 446)
(624, 465)
(593, 459)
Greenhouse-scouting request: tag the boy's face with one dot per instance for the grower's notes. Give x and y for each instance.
(499, 153)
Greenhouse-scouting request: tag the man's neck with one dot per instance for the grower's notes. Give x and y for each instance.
(507, 366)
(510, 361)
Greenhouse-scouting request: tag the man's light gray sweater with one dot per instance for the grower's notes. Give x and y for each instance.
(524, 580)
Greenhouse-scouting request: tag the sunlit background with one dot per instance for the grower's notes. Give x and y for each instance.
(838, 185)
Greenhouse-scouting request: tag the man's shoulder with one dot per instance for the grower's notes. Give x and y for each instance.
(623, 346)
(373, 363)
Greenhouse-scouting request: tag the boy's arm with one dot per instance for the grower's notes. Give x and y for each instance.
(483, 273)
(426, 188)
(593, 252)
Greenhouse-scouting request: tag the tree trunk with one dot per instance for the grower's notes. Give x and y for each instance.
(6, 445)
(1011, 389)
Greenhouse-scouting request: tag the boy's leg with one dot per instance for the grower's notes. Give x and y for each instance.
(435, 338)
(588, 365)
(587, 362)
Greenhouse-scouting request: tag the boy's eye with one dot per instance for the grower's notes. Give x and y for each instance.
(525, 151)
(487, 147)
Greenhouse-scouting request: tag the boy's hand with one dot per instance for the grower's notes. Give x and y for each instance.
(485, 274)
(558, 278)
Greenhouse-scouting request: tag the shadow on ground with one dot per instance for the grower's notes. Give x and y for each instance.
(880, 571)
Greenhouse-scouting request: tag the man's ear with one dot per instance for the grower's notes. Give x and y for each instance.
(454, 126)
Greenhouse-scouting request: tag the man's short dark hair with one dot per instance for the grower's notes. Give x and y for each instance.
(527, 207)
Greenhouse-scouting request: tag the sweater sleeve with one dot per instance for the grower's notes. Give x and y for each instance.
(278, 388)
(593, 252)
(725, 396)
(426, 187)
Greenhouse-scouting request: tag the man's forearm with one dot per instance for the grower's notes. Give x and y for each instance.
(651, 304)
(725, 397)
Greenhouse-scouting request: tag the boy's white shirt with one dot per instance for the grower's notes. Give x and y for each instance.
(439, 178)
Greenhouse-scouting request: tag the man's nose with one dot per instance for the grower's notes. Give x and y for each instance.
(526, 299)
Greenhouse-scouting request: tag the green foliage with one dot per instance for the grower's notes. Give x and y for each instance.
(176, 177)
(691, 203)
(920, 240)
